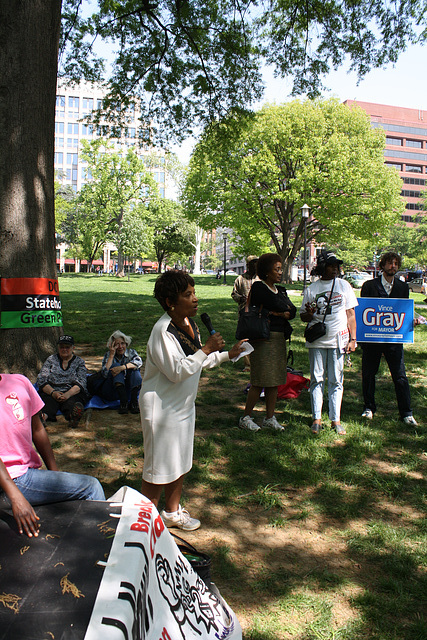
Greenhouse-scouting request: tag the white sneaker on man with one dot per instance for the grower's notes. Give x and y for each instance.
(410, 420)
(271, 423)
(180, 519)
(246, 422)
(367, 414)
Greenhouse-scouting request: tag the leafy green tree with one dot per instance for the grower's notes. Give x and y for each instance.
(110, 202)
(410, 241)
(192, 60)
(65, 205)
(172, 233)
(254, 173)
(188, 62)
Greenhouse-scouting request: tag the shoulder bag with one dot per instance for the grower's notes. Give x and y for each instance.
(318, 329)
(254, 323)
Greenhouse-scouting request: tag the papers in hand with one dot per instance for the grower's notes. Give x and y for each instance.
(247, 349)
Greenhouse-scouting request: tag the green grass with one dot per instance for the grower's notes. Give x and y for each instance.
(364, 494)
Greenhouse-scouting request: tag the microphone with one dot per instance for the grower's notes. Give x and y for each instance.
(208, 323)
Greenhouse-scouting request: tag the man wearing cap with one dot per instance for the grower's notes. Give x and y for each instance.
(386, 286)
(21, 478)
(62, 383)
(331, 300)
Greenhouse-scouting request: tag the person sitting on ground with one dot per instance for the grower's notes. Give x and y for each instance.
(21, 478)
(121, 373)
(62, 383)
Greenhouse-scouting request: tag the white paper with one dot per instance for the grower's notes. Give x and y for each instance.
(247, 349)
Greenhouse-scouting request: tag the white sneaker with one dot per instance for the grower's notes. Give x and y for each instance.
(271, 423)
(181, 520)
(410, 420)
(246, 422)
(367, 414)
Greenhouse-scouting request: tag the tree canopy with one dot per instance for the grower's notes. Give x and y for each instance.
(254, 173)
(109, 204)
(192, 60)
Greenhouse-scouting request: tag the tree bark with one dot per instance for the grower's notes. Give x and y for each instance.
(29, 38)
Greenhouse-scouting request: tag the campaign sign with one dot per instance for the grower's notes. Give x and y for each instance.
(30, 302)
(385, 320)
(150, 591)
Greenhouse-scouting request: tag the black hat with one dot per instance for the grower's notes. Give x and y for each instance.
(327, 257)
(66, 340)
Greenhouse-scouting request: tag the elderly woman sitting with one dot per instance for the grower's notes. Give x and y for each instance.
(62, 383)
(121, 373)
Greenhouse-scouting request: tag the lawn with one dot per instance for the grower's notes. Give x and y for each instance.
(310, 538)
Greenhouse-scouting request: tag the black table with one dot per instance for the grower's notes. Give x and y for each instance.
(48, 584)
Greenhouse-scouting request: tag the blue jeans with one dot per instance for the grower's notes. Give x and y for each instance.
(131, 379)
(40, 486)
(324, 362)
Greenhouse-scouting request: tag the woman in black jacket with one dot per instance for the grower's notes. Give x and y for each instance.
(268, 360)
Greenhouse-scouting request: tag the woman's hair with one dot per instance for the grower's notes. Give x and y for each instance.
(265, 264)
(389, 257)
(170, 284)
(118, 335)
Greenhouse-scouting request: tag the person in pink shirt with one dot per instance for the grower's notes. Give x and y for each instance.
(22, 435)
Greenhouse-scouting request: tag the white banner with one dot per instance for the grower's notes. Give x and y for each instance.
(149, 590)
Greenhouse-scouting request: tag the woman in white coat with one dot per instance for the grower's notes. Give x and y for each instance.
(175, 358)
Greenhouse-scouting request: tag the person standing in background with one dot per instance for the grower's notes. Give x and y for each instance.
(241, 289)
(386, 286)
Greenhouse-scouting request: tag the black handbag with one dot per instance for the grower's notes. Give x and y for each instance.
(318, 329)
(315, 332)
(253, 323)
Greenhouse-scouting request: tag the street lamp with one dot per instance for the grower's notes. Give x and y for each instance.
(225, 235)
(305, 212)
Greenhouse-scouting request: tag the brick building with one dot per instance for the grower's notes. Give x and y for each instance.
(406, 148)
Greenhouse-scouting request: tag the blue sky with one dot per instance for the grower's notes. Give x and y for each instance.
(403, 85)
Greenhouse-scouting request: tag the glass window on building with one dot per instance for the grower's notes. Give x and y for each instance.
(397, 142)
(60, 106)
(59, 158)
(59, 142)
(73, 105)
(99, 103)
(73, 129)
(87, 130)
(87, 104)
(417, 144)
(59, 127)
(162, 192)
(413, 168)
(394, 165)
(72, 158)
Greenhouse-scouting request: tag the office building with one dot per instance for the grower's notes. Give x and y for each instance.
(406, 148)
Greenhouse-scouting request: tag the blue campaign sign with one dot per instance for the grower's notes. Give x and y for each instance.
(385, 320)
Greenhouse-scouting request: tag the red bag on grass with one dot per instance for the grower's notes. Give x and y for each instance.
(295, 383)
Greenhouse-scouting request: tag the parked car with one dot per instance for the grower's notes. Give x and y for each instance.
(357, 278)
(417, 286)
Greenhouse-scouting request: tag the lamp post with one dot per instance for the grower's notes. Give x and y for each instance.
(224, 235)
(305, 212)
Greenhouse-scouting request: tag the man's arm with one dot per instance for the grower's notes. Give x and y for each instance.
(42, 443)
(23, 512)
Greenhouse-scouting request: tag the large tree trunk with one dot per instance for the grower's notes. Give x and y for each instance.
(29, 37)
